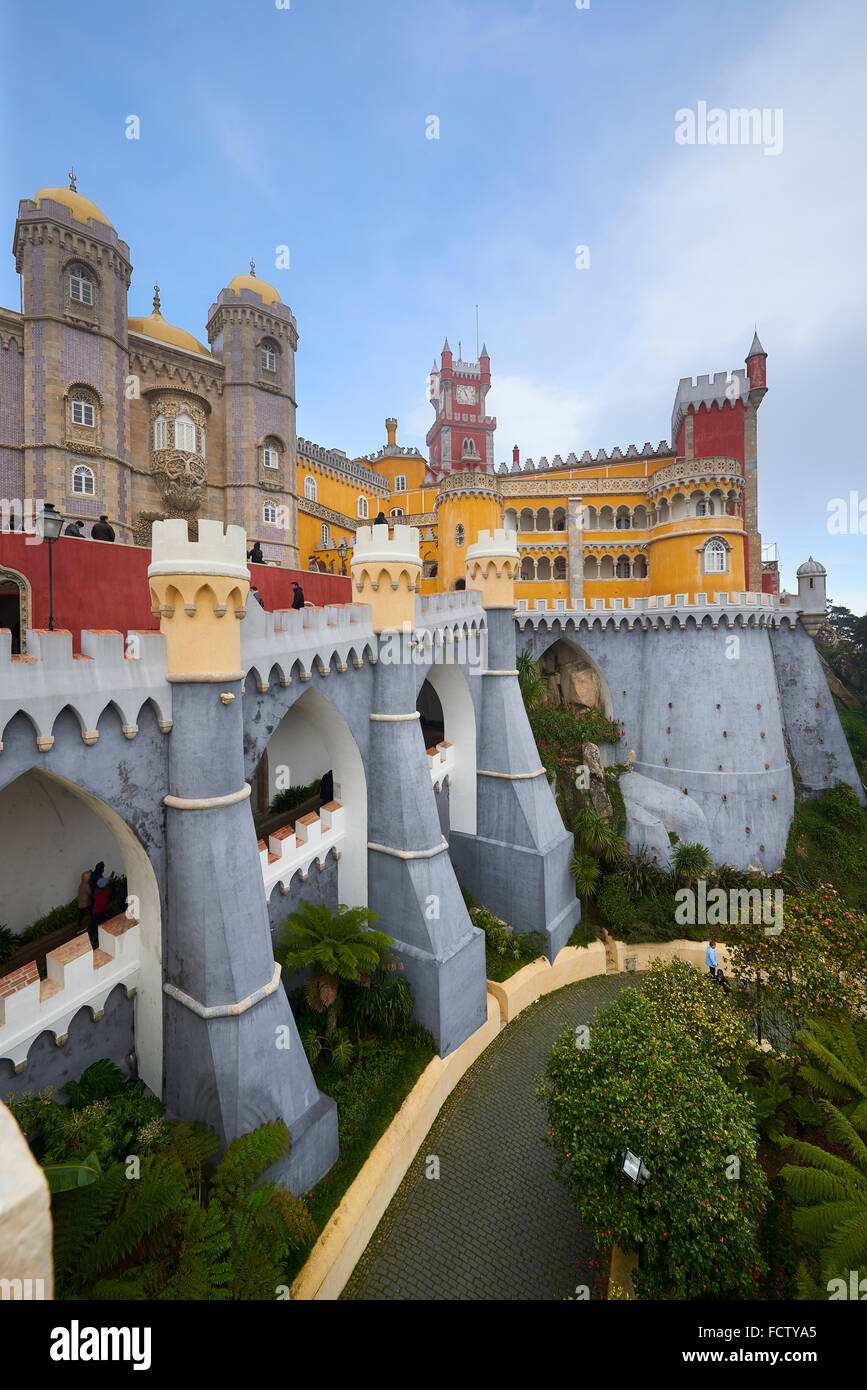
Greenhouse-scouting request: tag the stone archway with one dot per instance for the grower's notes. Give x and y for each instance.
(15, 590)
(59, 796)
(572, 678)
(451, 694)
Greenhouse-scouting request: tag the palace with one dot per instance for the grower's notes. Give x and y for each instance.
(133, 417)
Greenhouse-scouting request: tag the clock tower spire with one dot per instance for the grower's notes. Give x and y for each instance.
(461, 438)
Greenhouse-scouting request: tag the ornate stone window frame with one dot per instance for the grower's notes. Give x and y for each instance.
(714, 545)
(82, 438)
(268, 346)
(80, 308)
(310, 488)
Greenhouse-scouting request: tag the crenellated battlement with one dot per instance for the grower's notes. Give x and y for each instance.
(123, 671)
(294, 848)
(216, 552)
(373, 545)
(701, 391)
(321, 639)
(78, 978)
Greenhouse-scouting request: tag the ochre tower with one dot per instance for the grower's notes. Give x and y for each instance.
(386, 574)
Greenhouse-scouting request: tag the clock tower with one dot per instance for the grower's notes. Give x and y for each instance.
(461, 438)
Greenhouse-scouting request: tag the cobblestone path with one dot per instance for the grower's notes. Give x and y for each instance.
(497, 1224)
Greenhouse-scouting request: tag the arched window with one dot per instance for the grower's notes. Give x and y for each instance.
(396, 511)
(83, 480)
(325, 534)
(269, 512)
(270, 455)
(185, 434)
(716, 559)
(459, 534)
(80, 286)
(83, 412)
(362, 508)
(310, 488)
(528, 568)
(469, 447)
(268, 357)
(623, 570)
(560, 567)
(429, 569)
(623, 521)
(161, 434)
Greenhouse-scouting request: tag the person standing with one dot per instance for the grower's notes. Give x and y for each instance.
(298, 596)
(710, 961)
(85, 897)
(255, 555)
(75, 528)
(102, 530)
(101, 910)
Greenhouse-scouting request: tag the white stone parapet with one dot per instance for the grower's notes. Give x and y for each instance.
(216, 551)
(442, 762)
(123, 670)
(374, 546)
(502, 545)
(78, 978)
(293, 849)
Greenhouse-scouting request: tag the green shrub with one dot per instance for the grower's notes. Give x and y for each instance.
(290, 797)
(616, 908)
(561, 732)
(9, 943)
(644, 1083)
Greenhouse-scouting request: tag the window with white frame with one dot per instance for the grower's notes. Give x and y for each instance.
(396, 511)
(701, 508)
(268, 357)
(400, 483)
(310, 488)
(716, 557)
(83, 480)
(161, 433)
(362, 508)
(83, 412)
(271, 459)
(80, 286)
(325, 534)
(185, 434)
(269, 512)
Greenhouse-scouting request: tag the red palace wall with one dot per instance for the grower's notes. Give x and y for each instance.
(103, 585)
(718, 432)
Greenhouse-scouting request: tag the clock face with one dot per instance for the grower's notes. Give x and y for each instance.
(465, 395)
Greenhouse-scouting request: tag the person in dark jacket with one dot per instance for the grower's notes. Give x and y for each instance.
(95, 876)
(101, 909)
(257, 596)
(75, 528)
(381, 520)
(326, 789)
(298, 596)
(101, 530)
(255, 555)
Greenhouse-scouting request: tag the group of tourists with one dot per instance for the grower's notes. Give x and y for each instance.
(94, 894)
(101, 530)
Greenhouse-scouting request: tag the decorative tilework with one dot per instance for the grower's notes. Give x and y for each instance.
(11, 395)
(82, 357)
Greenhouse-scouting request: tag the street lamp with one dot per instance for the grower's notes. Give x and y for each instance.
(632, 1167)
(341, 549)
(49, 524)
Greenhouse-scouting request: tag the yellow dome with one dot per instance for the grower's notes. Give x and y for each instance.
(81, 208)
(261, 287)
(155, 326)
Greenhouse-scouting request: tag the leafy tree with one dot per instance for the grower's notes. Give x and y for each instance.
(830, 1196)
(597, 836)
(686, 998)
(338, 947)
(842, 622)
(616, 908)
(691, 862)
(186, 1228)
(645, 1084)
(531, 681)
(814, 967)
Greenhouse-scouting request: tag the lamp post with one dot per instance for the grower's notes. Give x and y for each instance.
(49, 524)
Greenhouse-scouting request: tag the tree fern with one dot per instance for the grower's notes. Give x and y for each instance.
(838, 1069)
(338, 946)
(830, 1193)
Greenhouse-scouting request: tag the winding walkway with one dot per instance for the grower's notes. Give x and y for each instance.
(497, 1223)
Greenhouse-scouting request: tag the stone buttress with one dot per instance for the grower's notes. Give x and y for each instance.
(411, 882)
(233, 1057)
(518, 862)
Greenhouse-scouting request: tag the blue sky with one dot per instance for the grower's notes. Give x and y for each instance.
(263, 127)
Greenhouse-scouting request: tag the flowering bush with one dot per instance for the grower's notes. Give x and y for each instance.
(686, 998)
(644, 1083)
(817, 964)
(561, 731)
